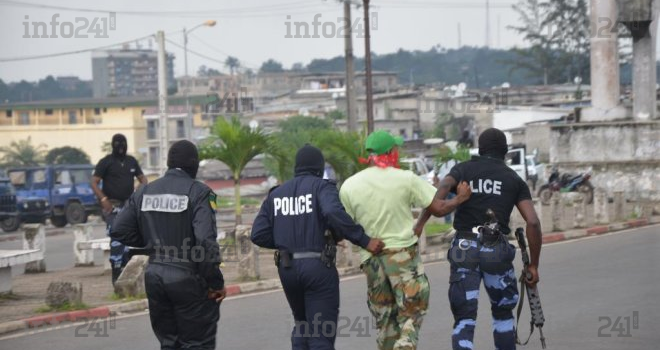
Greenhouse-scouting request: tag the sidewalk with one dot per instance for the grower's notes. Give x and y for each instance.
(30, 290)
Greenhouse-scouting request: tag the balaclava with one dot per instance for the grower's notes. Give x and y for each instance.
(309, 159)
(119, 145)
(183, 154)
(492, 143)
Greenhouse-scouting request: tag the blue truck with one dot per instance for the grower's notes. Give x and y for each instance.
(60, 192)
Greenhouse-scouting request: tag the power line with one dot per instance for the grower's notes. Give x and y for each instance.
(35, 57)
(256, 11)
(250, 65)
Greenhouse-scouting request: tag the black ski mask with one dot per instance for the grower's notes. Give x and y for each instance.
(183, 154)
(119, 145)
(309, 160)
(492, 143)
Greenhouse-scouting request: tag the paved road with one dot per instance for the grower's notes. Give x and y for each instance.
(581, 281)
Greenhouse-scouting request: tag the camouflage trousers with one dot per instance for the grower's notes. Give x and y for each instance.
(398, 296)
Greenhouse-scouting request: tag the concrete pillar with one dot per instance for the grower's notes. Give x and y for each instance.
(248, 269)
(579, 201)
(557, 210)
(619, 202)
(605, 90)
(131, 281)
(641, 19)
(34, 237)
(82, 233)
(601, 208)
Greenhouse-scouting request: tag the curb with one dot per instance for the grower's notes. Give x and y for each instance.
(258, 286)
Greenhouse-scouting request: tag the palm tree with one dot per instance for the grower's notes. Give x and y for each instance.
(235, 145)
(232, 63)
(23, 153)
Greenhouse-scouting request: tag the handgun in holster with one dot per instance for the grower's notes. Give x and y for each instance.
(329, 255)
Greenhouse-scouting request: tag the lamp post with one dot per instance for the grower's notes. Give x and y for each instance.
(367, 68)
(186, 91)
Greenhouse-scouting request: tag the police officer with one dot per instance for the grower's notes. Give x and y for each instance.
(293, 219)
(174, 218)
(117, 171)
(474, 256)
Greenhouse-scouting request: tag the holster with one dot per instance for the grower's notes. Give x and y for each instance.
(282, 258)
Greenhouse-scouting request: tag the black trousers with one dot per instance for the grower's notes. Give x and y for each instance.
(182, 316)
(312, 290)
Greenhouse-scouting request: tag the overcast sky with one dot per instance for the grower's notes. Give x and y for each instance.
(251, 30)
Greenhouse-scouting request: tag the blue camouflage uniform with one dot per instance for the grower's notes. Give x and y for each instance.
(494, 186)
(294, 219)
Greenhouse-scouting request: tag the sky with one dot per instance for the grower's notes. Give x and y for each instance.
(251, 30)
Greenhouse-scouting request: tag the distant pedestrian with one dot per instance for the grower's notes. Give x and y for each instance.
(117, 171)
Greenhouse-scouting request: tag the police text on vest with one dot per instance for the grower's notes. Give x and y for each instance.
(293, 205)
(167, 203)
(487, 186)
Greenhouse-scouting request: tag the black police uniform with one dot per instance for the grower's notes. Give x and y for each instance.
(494, 186)
(118, 172)
(173, 218)
(293, 220)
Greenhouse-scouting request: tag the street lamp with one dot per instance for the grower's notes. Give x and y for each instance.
(189, 123)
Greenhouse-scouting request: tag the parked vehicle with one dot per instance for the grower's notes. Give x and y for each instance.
(566, 183)
(418, 166)
(61, 192)
(8, 208)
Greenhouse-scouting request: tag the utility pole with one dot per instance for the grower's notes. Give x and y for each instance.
(460, 41)
(162, 101)
(487, 24)
(186, 91)
(367, 68)
(351, 105)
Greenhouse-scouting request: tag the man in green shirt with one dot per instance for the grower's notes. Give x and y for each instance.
(380, 198)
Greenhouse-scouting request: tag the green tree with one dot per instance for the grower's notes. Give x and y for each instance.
(233, 64)
(235, 145)
(22, 153)
(271, 66)
(67, 155)
(340, 149)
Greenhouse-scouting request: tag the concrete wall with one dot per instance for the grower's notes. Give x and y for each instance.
(538, 136)
(621, 155)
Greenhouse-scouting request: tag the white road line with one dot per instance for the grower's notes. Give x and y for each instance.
(249, 295)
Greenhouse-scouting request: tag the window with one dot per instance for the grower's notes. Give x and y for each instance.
(152, 126)
(73, 118)
(97, 111)
(48, 111)
(180, 129)
(8, 113)
(25, 119)
(154, 157)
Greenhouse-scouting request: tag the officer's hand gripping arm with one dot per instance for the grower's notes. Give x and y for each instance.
(206, 235)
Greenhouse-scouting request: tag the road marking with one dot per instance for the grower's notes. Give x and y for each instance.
(277, 290)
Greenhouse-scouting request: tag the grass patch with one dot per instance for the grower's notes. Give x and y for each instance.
(434, 229)
(228, 202)
(9, 296)
(64, 307)
(117, 297)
